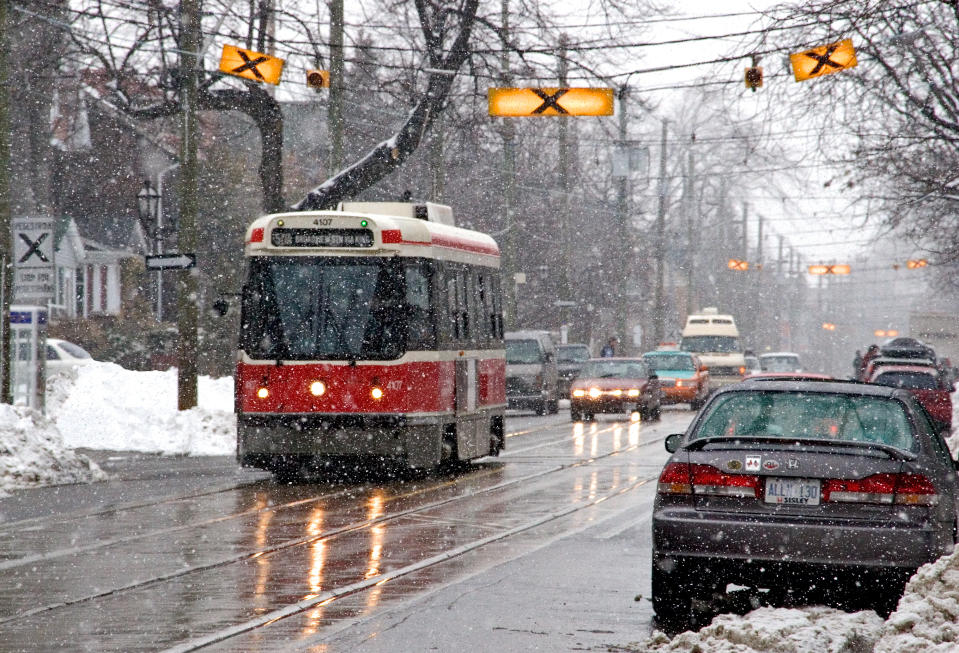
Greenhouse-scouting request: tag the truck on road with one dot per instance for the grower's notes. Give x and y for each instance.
(715, 338)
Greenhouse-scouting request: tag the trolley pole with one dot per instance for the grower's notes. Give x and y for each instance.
(187, 295)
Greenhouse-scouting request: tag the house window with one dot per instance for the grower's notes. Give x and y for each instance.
(78, 297)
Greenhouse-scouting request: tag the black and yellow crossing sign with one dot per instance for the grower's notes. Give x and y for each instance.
(738, 264)
(824, 60)
(251, 65)
(531, 102)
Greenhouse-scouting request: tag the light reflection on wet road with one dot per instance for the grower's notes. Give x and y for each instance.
(225, 565)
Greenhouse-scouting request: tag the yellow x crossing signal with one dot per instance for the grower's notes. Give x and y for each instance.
(839, 268)
(531, 102)
(738, 265)
(251, 65)
(912, 264)
(824, 60)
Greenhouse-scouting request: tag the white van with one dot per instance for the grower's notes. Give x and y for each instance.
(715, 338)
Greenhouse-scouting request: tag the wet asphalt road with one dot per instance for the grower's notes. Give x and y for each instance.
(197, 554)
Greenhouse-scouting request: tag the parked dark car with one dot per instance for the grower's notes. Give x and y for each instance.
(570, 359)
(615, 385)
(814, 490)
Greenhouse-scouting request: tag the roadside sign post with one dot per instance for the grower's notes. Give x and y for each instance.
(28, 348)
(33, 271)
(170, 261)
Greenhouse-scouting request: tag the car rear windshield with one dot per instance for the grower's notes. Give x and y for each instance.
(809, 415)
(670, 362)
(572, 354)
(779, 363)
(711, 344)
(523, 352)
(908, 380)
(600, 369)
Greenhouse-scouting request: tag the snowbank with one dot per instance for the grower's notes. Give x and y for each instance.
(109, 407)
(32, 453)
(813, 629)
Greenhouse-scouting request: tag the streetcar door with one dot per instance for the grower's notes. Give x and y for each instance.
(469, 437)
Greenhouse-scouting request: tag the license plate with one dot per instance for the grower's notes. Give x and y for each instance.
(792, 491)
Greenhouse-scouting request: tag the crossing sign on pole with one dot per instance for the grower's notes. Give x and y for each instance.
(823, 60)
(33, 280)
(251, 65)
(531, 102)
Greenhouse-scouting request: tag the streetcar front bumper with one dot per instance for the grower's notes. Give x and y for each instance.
(413, 439)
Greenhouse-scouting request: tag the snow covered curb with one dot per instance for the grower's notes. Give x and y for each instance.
(32, 453)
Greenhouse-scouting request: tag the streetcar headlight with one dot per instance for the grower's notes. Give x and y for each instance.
(376, 393)
(594, 393)
(579, 392)
(633, 392)
(262, 393)
(317, 388)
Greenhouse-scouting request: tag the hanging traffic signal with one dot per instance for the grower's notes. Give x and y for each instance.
(318, 78)
(754, 77)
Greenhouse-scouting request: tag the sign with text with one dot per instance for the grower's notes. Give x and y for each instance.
(34, 280)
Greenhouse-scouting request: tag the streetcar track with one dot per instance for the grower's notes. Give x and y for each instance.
(335, 532)
(59, 553)
(31, 523)
(329, 596)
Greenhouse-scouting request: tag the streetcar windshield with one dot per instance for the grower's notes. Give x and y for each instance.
(332, 308)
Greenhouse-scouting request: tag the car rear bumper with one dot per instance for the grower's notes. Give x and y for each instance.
(605, 405)
(675, 395)
(754, 541)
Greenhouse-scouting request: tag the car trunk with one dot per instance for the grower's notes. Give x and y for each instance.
(815, 482)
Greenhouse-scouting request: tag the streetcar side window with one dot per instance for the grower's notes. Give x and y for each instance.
(452, 312)
(418, 309)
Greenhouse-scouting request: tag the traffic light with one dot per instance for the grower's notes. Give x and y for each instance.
(318, 78)
(754, 77)
(912, 264)
(738, 265)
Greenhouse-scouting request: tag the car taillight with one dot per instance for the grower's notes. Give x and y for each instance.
(902, 489)
(682, 478)
(675, 479)
(742, 370)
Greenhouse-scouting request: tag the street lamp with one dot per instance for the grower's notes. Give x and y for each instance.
(148, 211)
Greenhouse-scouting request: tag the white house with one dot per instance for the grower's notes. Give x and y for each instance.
(88, 279)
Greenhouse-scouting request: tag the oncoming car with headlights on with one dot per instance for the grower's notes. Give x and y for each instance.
(615, 385)
(813, 490)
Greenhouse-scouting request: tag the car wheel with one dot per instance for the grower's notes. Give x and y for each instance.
(656, 412)
(542, 408)
(588, 417)
(672, 600)
(554, 406)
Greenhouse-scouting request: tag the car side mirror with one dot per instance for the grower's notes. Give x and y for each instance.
(955, 465)
(672, 442)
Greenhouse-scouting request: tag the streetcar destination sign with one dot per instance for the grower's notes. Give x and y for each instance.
(321, 238)
(171, 261)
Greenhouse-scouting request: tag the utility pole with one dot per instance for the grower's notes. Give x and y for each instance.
(334, 112)
(745, 231)
(565, 264)
(692, 240)
(622, 217)
(659, 310)
(187, 295)
(6, 245)
(509, 181)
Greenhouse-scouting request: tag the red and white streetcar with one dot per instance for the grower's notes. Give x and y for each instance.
(372, 331)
